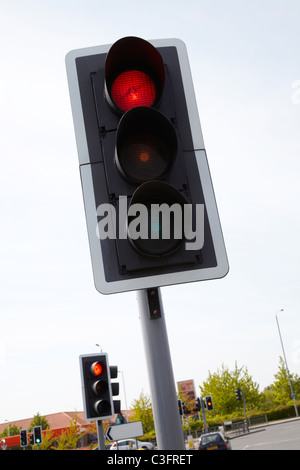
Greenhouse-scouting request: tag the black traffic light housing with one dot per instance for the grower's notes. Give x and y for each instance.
(23, 438)
(140, 148)
(115, 388)
(185, 409)
(97, 388)
(37, 435)
(197, 405)
(209, 403)
(238, 394)
(180, 409)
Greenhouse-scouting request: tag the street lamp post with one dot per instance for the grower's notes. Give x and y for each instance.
(286, 366)
(8, 428)
(120, 371)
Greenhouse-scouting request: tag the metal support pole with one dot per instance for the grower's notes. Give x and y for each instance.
(245, 414)
(100, 433)
(286, 366)
(203, 414)
(160, 372)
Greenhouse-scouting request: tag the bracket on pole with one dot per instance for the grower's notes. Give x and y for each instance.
(154, 303)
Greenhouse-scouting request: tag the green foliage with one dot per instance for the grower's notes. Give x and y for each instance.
(275, 401)
(142, 411)
(69, 437)
(279, 393)
(222, 384)
(11, 430)
(48, 440)
(282, 412)
(66, 441)
(39, 420)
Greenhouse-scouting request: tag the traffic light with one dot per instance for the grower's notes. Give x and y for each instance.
(238, 395)
(180, 407)
(97, 388)
(37, 433)
(185, 409)
(209, 403)
(150, 207)
(23, 438)
(115, 386)
(197, 405)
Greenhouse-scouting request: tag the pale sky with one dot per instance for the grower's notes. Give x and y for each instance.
(244, 57)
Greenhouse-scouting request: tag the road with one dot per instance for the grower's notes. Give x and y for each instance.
(281, 436)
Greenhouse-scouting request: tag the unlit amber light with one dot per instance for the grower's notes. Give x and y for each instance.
(144, 157)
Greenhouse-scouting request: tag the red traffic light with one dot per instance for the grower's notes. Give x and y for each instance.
(136, 122)
(97, 368)
(134, 74)
(96, 386)
(133, 88)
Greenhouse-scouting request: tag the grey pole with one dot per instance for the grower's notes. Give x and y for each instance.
(167, 423)
(245, 414)
(100, 433)
(286, 366)
(203, 414)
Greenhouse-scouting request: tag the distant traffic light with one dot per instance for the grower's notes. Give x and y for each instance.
(23, 438)
(238, 394)
(97, 388)
(209, 403)
(180, 407)
(197, 405)
(144, 171)
(37, 433)
(185, 409)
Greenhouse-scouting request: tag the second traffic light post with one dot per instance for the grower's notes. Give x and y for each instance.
(203, 414)
(167, 421)
(98, 391)
(24, 438)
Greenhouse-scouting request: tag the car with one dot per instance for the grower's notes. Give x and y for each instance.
(130, 444)
(214, 441)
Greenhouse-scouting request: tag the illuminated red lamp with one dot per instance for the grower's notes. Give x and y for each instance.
(134, 75)
(133, 88)
(97, 368)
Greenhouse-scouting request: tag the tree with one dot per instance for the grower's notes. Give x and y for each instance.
(48, 440)
(142, 411)
(11, 430)
(70, 436)
(281, 388)
(39, 420)
(222, 384)
(268, 399)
